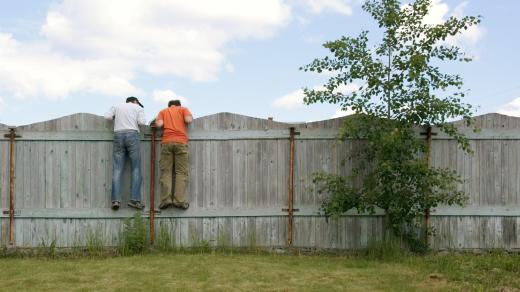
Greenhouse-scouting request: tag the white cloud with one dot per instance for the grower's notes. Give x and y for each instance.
(164, 96)
(319, 6)
(437, 12)
(511, 109)
(294, 99)
(290, 101)
(440, 11)
(34, 70)
(349, 88)
(99, 46)
(341, 113)
(179, 37)
(473, 34)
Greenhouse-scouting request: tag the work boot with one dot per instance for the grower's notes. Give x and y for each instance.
(165, 205)
(180, 205)
(136, 205)
(115, 205)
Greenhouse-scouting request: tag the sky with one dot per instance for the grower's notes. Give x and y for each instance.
(63, 57)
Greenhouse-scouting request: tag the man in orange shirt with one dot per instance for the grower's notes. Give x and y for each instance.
(174, 150)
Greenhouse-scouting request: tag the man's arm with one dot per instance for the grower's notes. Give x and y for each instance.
(140, 117)
(159, 121)
(111, 114)
(188, 119)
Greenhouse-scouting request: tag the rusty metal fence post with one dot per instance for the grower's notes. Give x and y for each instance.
(290, 206)
(152, 186)
(12, 139)
(429, 135)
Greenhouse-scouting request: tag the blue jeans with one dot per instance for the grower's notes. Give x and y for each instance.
(126, 142)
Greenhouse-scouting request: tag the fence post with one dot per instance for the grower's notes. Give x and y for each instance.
(429, 163)
(152, 186)
(12, 138)
(290, 209)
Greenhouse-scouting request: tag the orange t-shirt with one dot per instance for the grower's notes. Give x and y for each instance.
(174, 127)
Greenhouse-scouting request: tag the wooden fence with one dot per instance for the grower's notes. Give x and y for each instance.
(239, 185)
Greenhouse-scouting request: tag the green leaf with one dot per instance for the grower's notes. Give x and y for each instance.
(401, 87)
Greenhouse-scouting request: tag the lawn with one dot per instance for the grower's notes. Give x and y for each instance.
(262, 272)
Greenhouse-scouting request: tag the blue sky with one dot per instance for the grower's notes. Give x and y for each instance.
(62, 57)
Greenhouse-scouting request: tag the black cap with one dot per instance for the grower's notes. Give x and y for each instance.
(132, 99)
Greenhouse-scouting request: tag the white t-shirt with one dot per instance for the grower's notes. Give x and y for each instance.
(127, 116)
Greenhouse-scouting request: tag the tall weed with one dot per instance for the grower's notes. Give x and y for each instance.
(133, 239)
(164, 239)
(95, 243)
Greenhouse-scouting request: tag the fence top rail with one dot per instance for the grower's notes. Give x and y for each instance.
(228, 126)
(91, 122)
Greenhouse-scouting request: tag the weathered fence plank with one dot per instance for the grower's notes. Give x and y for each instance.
(238, 185)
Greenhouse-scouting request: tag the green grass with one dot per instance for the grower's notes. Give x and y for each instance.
(218, 271)
(498, 271)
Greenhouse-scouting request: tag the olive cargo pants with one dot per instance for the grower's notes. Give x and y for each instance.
(173, 153)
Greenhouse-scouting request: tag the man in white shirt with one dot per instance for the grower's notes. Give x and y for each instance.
(127, 118)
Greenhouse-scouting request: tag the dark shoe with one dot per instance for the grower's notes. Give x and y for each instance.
(165, 205)
(183, 205)
(136, 205)
(115, 205)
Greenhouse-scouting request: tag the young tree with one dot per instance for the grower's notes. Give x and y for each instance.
(401, 86)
